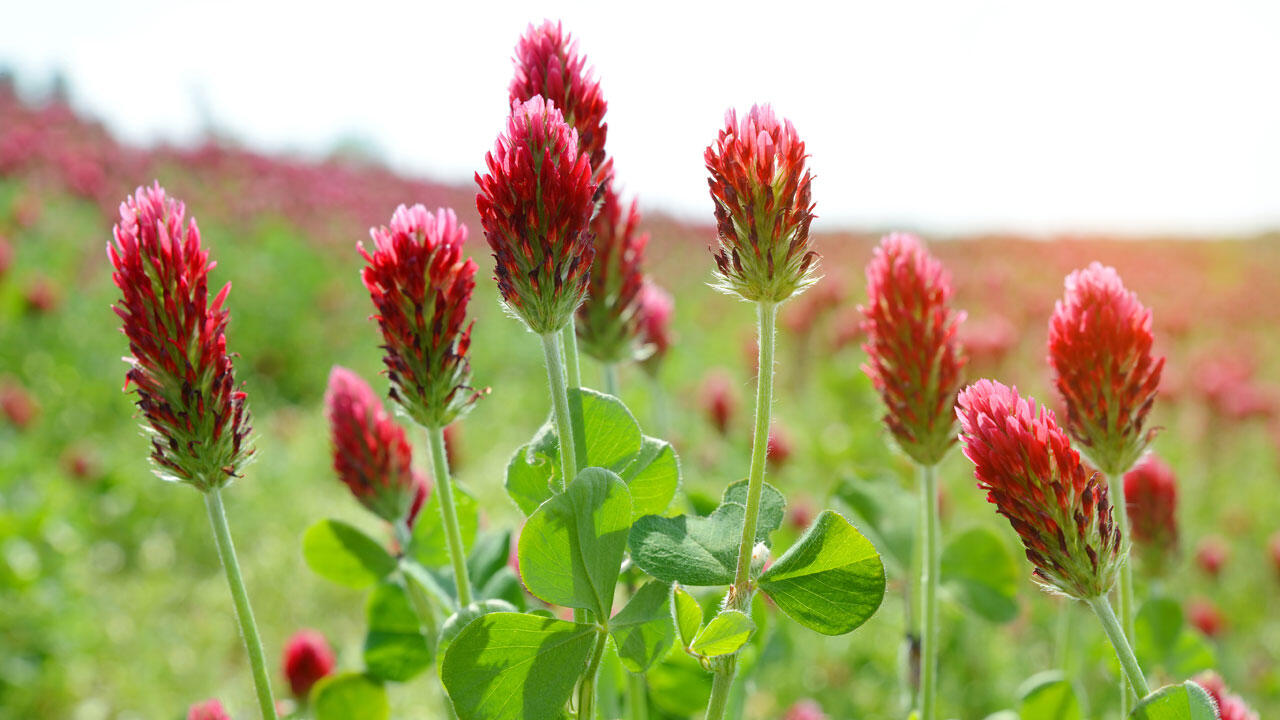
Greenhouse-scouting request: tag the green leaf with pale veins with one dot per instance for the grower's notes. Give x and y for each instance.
(652, 476)
(688, 615)
(571, 549)
(605, 432)
(689, 549)
(395, 647)
(512, 666)
(1187, 701)
(344, 554)
(644, 630)
(456, 622)
(350, 696)
(529, 476)
(831, 580)
(773, 507)
(725, 634)
(979, 569)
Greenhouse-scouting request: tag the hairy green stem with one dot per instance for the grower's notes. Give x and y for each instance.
(560, 408)
(449, 513)
(1124, 589)
(740, 592)
(569, 336)
(929, 570)
(610, 371)
(240, 597)
(1124, 651)
(638, 697)
(422, 608)
(587, 688)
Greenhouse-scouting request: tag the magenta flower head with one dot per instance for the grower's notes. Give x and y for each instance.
(761, 188)
(913, 357)
(1035, 479)
(608, 320)
(370, 452)
(307, 659)
(548, 64)
(1230, 705)
(1100, 350)
(1151, 499)
(208, 710)
(195, 414)
(535, 204)
(420, 285)
(656, 307)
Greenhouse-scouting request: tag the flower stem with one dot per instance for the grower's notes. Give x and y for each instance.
(610, 379)
(422, 608)
(740, 592)
(1124, 589)
(560, 407)
(240, 597)
(587, 688)
(1115, 634)
(449, 513)
(638, 697)
(573, 371)
(929, 589)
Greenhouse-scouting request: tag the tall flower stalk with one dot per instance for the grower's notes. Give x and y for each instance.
(914, 361)
(421, 285)
(1100, 348)
(195, 414)
(1061, 512)
(548, 65)
(763, 207)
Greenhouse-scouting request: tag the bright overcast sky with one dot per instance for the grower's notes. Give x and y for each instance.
(946, 116)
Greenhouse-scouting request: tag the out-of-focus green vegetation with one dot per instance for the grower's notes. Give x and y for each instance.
(112, 604)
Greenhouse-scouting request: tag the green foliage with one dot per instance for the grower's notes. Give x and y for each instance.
(979, 569)
(571, 548)
(688, 614)
(727, 632)
(831, 580)
(885, 512)
(429, 546)
(1049, 696)
(643, 630)
(1187, 701)
(350, 696)
(395, 648)
(701, 551)
(454, 624)
(1162, 639)
(345, 555)
(511, 666)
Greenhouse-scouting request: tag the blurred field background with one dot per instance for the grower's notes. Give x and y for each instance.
(111, 601)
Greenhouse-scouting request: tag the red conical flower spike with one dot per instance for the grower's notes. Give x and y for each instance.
(654, 318)
(535, 203)
(913, 357)
(307, 659)
(370, 452)
(548, 64)
(1100, 350)
(764, 207)
(196, 416)
(608, 320)
(1151, 498)
(1230, 706)
(420, 285)
(1025, 463)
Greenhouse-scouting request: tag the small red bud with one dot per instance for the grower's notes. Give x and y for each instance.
(208, 710)
(1211, 555)
(1205, 617)
(805, 710)
(307, 659)
(719, 401)
(1230, 706)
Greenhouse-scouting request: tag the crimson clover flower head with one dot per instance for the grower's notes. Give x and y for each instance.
(1151, 500)
(307, 659)
(914, 358)
(548, 64)
(1100, 350)
(1230, 705)
(761, 189)
(656, 307)
(1031, 474)
(608, 320)
(535, 203)
(420, 285)
(196, 415)
(210, 709)
(371, 454)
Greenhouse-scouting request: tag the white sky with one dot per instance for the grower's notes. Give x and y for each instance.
(942, 115)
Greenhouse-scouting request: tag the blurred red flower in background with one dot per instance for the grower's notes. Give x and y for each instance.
(1205, 617)
(1151, 498)
(719, 400)
(307, 659)
(208, 710)
(1230, 706)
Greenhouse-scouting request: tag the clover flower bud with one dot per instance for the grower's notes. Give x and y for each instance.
(609, 317)
(371, 454)
(1151, 499)
(307, 659)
